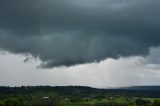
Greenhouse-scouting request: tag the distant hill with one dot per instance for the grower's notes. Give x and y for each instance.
(81, 88)
(146, 91)
(142, 88)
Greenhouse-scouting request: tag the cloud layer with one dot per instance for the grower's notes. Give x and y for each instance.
(61, 32)
(128, 71)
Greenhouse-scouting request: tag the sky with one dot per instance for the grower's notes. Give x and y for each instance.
(98, 43)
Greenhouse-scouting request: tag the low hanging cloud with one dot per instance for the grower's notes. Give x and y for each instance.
(128, 71)
(61, 32)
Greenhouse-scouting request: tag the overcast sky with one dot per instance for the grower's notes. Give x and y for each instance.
(99, 43)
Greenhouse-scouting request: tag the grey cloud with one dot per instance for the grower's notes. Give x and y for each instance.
(61, 32)
(153, 58)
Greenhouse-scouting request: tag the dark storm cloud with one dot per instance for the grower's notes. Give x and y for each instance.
(69, 32)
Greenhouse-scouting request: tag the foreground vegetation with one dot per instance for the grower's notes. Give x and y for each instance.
(77, 96)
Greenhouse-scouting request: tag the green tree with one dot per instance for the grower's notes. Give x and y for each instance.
(157, 102)
(142, 102)
(12, 102)
(2, 103)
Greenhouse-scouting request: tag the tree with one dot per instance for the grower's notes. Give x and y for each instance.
(142, 102)
(2, 103)
(156, 102)
(12, 102)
